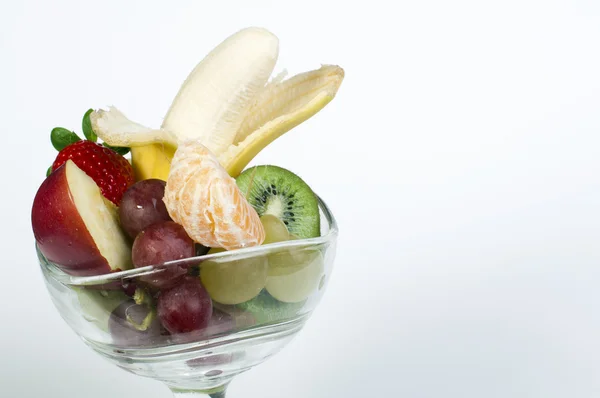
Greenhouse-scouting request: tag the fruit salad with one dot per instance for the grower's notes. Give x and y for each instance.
(174, 198)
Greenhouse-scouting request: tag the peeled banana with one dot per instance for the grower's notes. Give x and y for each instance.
(226, 104)
(212, 102)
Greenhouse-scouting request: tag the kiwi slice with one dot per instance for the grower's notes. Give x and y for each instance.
(279, 192)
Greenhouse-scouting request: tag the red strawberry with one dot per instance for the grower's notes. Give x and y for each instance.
(111, 171)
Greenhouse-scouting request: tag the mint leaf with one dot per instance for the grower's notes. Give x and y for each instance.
(49, 171)
(61, 137)
(121, 150)
(86, 125)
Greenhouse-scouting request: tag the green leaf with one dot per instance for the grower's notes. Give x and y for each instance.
(86, 125)
(62, 137)
(121, 150)
(49, 171)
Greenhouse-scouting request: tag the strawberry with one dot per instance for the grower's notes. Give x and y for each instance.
(111, 171)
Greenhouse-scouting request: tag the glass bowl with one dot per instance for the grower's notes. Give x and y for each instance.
(116, 317)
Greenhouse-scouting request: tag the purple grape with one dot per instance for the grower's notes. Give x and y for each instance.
(157, 244)
(185, 308)
(129, 287)
(219, 323)
(142, 205)
(127, 332)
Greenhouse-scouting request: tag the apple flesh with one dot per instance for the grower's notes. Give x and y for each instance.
(75, 227)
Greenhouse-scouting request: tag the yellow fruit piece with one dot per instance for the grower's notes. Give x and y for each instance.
(152, 161)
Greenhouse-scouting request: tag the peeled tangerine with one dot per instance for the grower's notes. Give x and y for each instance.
(202, 197)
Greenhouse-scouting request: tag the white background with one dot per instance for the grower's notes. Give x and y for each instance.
(461, 158)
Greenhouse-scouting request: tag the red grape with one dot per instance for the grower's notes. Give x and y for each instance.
(220, 323)
(157, 244)
(129, 287)
(186, 307)
(142, 205)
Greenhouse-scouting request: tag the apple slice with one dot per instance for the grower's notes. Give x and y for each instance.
(75, 227)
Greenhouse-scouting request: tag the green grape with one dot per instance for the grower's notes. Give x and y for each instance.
(288, 261)
(294, 274)
(275, 229)
(233, 282)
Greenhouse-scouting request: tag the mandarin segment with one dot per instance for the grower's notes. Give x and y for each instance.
(206, 201)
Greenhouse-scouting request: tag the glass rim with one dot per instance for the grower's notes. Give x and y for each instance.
(231, 255)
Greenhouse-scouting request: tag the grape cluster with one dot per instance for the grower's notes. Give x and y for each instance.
(189, 305)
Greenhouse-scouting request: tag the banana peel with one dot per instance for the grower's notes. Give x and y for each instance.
(152, 161)
(280, 108)
(237, 157)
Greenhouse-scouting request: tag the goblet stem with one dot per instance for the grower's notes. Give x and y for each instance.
(215, 393)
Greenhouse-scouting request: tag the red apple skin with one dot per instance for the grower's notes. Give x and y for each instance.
(60, 232)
